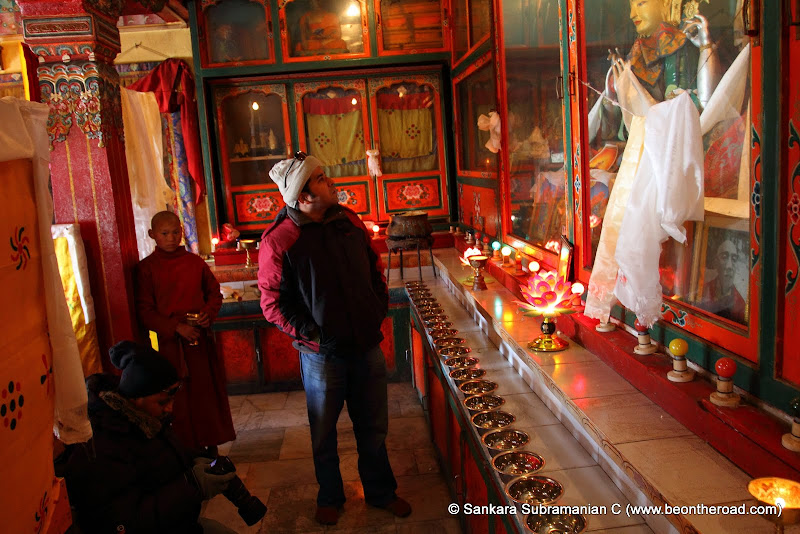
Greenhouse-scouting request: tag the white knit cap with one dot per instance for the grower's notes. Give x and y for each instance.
(299, 173)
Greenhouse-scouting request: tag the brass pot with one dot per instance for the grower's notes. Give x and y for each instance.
(534, 489)
(506, 439)
(493, 420)
(477, 387)
(409, 224)
(517, 463)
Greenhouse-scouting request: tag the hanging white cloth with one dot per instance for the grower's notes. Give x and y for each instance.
(667, 191)
(24, 136)
(374, 162)
(600, 297)
(491, 124)
(144, 153)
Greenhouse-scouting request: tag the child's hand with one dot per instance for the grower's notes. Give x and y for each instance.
(204, 320)
(189, 333)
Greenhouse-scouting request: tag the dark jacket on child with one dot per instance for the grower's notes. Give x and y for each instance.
(133, 472)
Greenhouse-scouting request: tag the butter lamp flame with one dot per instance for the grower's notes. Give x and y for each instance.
(780, 500)
(549, 296)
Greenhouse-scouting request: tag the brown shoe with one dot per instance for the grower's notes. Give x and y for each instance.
(399, 507)
(327, 515)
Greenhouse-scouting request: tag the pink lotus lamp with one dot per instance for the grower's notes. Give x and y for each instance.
(549, 296)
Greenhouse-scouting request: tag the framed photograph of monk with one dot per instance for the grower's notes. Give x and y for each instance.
(722, 268)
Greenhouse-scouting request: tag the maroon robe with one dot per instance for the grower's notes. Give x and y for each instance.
(168, 285)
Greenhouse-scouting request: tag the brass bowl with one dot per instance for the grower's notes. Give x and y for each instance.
(440, 324)
(424, 301)
(493, 420)
(506, 439)
(449, 342)
(518, 463)
(482, 403)
(458, 350)
(416, 295)
(459, 362)
(768, 490)
(466, 373)
(415, 284)
(432, 309)
(437, 333)
(476, 387)
(430, 318)
(556, 523)
(534, 489)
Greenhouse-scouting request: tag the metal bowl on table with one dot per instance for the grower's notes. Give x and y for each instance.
(555, 523)
(430, 318)
(506, 439)
(458, 362)
(476, 387)
(431, 309)
(534, 489)
(466, 373)
(420, 294)
(424, 301)
(456, 350)
(493, 420)
(449, 342)
(483, 403)
(439, 324)
(416, 284)
(517, 463)
(438, 333)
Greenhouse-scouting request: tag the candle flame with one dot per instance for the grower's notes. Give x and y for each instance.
(470, 252)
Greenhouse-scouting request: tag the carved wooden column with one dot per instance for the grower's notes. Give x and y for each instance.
(75, 43)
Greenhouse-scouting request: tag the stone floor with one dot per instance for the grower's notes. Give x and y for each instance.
(272, 454)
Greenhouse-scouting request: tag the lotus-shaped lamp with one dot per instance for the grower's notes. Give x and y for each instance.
(549, 296)
(465, 260)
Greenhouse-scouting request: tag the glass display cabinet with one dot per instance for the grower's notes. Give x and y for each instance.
(534, 134)
(253, 124)
(407, 111)
(475, 95)
(410, 26)
(333, 125)
(317, 30)
(711, 50)
(336, 119)
(472, 24)
(235, 33)
(477, 131)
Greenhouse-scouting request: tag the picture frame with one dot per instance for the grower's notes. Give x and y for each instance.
(721, 277)
(565, 259)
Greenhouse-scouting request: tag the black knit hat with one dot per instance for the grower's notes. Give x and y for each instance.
(144, 371)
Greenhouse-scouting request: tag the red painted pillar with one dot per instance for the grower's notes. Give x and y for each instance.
(75, 43)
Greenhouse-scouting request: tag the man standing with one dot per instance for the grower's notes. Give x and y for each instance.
(321, 283)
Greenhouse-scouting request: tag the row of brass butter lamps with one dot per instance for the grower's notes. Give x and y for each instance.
(548, 296)
(517, 467)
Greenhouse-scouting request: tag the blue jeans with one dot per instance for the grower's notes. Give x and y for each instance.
(360, 380)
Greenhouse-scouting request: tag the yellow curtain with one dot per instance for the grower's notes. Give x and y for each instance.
(86, 334)
(27, 392)
(336, 139)
(405, 133)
